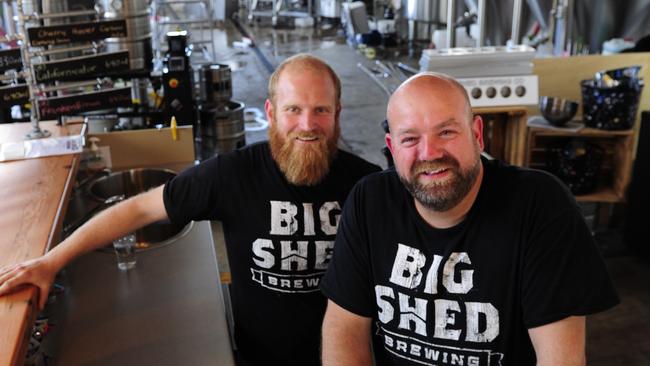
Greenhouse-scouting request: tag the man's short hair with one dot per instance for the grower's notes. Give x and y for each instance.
(308, 62)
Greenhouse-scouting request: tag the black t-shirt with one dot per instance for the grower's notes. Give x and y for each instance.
(279, 239)
(522, 257)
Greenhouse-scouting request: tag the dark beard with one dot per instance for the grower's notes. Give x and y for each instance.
(303, 165)
(441, 197)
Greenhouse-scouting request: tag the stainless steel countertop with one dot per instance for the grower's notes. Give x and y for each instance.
(168, 310)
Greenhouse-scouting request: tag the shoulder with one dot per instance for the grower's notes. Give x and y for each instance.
(384, 183)
(526, 185)
(245, 157)
(530, 179)
(252, 152)
(229, 164)
(348, 160)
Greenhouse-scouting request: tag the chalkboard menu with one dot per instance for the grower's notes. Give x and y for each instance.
(74, 104)
(76, 32)
(80, 68)
(14, 95)
(10, 59)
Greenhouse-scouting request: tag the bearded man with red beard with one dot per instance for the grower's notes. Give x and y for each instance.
(471, 261)
(280, 204)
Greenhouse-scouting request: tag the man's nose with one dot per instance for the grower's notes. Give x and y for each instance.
(430, 149)
(307, 121)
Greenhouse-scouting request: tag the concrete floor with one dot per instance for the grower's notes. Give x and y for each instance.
(616, 337)
(363, 101)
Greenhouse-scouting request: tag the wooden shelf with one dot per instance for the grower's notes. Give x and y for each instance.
(601, 195)
(490, 110)
(615, 169)
(504, 132)
(584, 132)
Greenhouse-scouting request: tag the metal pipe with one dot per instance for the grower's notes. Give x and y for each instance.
(560, 30)
(480, 19)
(58, 15)
(551, 21)
(384, 68)
(374, 77)
(568, 34)
(407, 68)
(516, 21)
(95, 46)
(472, 6)
(36, 131)
(81, 84)
(451, 23)
(534, 7)
(8, 15)
(181, 22)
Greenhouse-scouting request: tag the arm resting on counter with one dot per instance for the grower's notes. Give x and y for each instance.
(561, 343)
(346, 337)
(109, 224)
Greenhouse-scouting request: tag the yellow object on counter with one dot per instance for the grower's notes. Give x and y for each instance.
(174, 128)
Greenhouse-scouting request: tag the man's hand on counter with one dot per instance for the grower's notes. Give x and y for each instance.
(114, 222)
(38, 272)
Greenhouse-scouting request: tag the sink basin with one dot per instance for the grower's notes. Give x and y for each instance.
(101, 193)
(128, 182)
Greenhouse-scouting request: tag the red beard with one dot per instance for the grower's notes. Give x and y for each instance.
(303, 164)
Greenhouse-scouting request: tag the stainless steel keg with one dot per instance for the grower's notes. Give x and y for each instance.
(220, 128)
(215, 83)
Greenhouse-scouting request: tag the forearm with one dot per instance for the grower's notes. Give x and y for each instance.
(583, 362)
(108, 225)
(573, 361)
(561, 343)
(345, 342)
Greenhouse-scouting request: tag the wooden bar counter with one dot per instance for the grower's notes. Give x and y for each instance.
(33, 198)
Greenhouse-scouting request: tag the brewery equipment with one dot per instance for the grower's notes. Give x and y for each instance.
(177, 81)
(220, 124)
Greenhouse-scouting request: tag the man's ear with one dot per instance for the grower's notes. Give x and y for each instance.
(389, 143)
(268, 108)
(477, 130)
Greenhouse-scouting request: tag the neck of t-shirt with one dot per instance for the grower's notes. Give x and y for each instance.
(455, 215)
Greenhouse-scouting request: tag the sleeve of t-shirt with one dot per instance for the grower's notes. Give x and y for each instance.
(563, 271)
(194, 194)
(347, 281)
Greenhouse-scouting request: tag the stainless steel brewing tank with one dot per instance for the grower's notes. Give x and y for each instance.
(138, 27)
(423, 16)
(137, 14)
(61, 7)
(329, 8)
(422, 10)
(220, 128)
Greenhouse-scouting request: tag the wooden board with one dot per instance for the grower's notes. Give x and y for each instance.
(149, 148)
(34, 194)
(511, 136)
